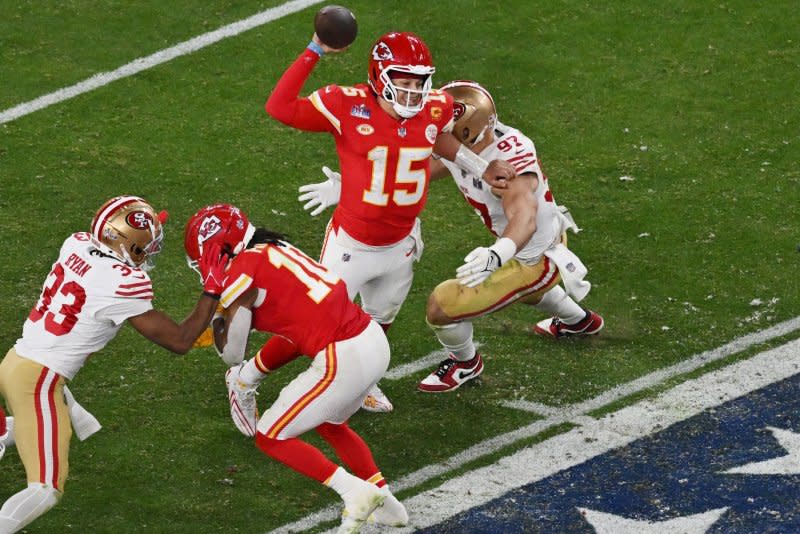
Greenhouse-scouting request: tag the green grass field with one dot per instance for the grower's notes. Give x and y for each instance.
(696, 101)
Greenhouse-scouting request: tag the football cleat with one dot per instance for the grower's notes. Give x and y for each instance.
(391, 513)
(359, 503)
(2, 449)
(242, 398)
(376, 401)
(451, 374)
(589, 325)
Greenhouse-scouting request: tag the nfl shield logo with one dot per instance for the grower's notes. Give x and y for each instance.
(346, 256)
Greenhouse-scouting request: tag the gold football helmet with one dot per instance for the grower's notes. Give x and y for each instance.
(474, 111)
(130, 229)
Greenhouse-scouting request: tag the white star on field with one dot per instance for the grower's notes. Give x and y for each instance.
(788, 464)
(604, 523)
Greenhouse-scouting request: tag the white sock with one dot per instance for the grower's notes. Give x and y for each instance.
(341, 481)
(25, 506)
(250, 374)
(457, 339)
(557, 302)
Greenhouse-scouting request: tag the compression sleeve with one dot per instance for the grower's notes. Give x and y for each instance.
(284, 105)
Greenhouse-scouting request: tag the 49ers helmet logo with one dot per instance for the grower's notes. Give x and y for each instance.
(208, 228)
(382, 52)
(458, 110)
(140, 220)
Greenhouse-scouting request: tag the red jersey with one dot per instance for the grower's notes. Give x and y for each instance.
(384, 162)
(304, 302)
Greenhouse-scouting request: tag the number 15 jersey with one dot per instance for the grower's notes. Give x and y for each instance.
(385, 162)
(86, 298)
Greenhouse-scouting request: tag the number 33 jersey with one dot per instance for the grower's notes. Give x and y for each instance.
(299, 299)
(85, 299)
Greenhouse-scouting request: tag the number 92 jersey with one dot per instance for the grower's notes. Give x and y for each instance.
(86, 298)
(385, 162)
(299, 299)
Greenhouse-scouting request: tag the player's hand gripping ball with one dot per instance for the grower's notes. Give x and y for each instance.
(335, 26)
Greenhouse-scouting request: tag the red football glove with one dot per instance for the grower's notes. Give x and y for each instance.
(212, 269)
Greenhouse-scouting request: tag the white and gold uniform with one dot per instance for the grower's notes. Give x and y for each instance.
(85, 299)
(530, 274)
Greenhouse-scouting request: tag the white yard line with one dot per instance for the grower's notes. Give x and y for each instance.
(573, 413)
(615, 430)
(162, 56)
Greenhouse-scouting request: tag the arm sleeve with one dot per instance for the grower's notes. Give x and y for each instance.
(284, 105)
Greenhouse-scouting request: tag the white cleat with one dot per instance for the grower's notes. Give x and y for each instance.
(376, 401)
(242, 398)
(359, 504)
(391, 513)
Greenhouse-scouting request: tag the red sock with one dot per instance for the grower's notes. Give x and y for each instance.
(352, 450)
(2, 421)
(276, 352)
(299, 455)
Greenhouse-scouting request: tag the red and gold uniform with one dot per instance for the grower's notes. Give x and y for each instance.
(304, 302)
(373, 237)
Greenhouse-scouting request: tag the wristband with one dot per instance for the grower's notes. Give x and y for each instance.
(212, 295)
(317, 49)
(505, 248)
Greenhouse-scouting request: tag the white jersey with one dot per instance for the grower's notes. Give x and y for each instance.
(86, 298)
(513, 146)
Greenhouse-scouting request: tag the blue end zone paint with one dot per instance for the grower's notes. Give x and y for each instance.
(674, 473)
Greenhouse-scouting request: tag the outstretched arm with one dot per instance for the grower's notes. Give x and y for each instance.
(285, 103)
(496, 173)
(159, 328)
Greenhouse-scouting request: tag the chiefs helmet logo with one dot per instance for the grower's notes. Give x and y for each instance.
(208, 228)
(382, 52)
(458, 110)
(141, 220)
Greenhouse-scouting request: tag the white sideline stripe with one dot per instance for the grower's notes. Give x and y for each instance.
(496, 443)
(162, 56)
(612, 431)
(656, 377)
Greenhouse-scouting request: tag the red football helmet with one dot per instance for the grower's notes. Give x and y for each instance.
(129, 229)
(399, 53)
(221, 223)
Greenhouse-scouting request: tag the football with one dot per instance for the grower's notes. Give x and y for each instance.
(335, 26)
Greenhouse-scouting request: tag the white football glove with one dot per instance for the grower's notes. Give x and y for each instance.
(321, 195)
(483, 261)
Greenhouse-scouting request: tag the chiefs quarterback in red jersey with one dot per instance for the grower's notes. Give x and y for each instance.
(385, 133)
(273, 286)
